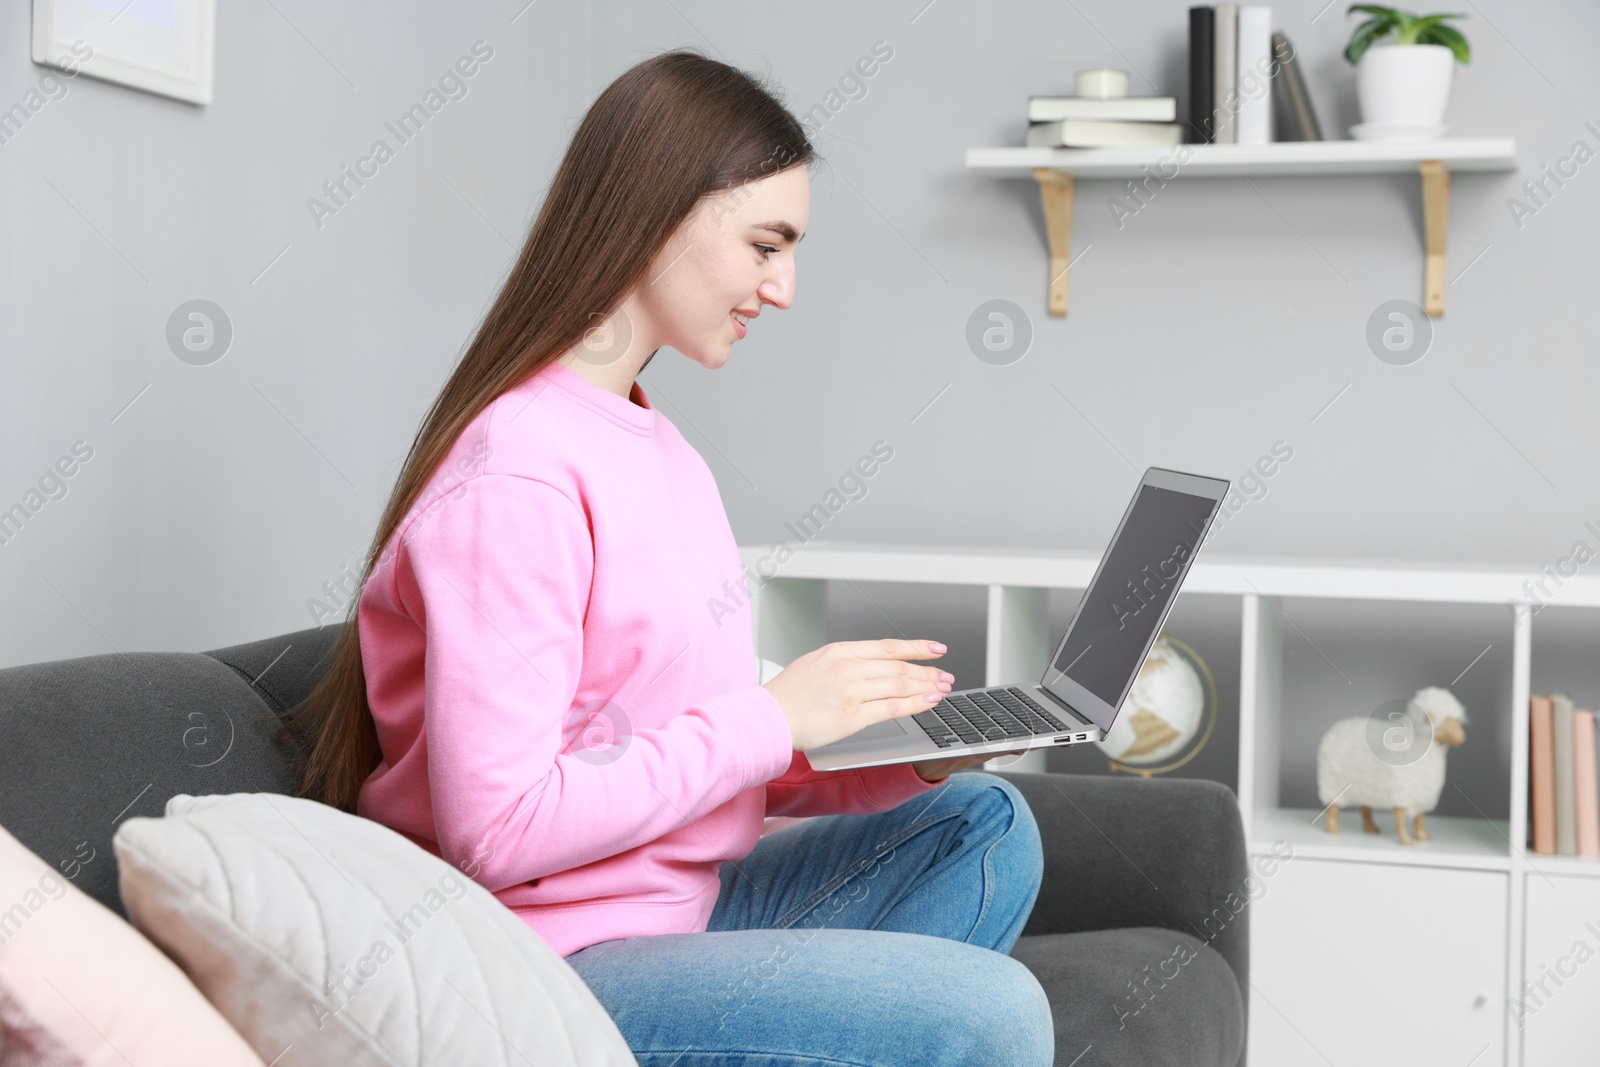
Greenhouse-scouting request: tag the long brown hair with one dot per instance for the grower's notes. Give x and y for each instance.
(671, 130)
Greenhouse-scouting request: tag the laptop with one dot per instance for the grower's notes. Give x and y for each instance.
(1084, 684)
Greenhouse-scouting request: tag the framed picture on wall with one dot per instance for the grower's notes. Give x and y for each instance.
(160, 46)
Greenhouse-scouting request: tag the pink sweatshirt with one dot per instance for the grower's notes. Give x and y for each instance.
(562, 715)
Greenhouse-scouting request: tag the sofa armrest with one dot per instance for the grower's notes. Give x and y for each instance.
(1122, 852)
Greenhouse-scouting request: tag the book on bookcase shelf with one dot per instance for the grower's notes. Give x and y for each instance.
(1566, 813)
(1541, 774)
(1564, 794)
(1586, 789)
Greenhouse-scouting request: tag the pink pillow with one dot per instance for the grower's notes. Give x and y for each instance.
(80, 986)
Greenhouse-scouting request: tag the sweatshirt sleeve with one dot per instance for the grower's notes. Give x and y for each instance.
(499, 580)
(803, 791)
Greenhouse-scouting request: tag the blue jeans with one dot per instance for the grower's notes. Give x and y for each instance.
(870, 940)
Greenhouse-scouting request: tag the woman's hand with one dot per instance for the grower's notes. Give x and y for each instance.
(933, 770)
(833, 691)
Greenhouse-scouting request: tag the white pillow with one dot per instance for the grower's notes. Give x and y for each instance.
(325, 938)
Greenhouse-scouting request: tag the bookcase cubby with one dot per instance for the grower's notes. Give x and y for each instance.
(1458, 925)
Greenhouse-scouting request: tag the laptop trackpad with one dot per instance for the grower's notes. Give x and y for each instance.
(878, 732)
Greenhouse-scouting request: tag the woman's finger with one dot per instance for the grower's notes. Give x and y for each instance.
(876, 679)
(894, 648)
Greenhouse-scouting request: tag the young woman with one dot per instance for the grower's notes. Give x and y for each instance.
(534, 689)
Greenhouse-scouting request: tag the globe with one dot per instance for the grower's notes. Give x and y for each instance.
(1163, 711)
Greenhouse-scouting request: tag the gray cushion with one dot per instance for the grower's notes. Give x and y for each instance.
(91, 741)
(284, 669)
(1141, 996)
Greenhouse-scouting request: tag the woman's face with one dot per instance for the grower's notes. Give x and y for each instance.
(731, 257)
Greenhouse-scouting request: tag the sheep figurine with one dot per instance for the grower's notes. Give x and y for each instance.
(1352, 771)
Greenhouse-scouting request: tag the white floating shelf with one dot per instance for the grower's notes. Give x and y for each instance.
(1283, 159)
(1058, 169)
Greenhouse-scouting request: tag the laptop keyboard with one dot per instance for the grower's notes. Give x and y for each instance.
(986, 715)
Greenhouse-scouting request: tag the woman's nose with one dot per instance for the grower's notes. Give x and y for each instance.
(779, 289)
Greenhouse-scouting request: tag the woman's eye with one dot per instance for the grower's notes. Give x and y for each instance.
(766, 250)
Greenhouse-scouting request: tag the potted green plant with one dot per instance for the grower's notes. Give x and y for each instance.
(1403, 84)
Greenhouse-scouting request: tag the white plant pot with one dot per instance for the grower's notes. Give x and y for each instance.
(1404, 85)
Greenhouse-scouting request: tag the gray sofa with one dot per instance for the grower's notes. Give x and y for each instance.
(1142, 959)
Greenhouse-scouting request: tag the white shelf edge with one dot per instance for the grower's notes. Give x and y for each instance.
(1451, 860)
(1229, 575)
(1458, 842)
(1281, 159)
(1558, 866)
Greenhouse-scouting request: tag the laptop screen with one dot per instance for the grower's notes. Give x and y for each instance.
(1117, 620)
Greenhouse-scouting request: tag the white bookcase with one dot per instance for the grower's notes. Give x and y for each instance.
(1428, 945)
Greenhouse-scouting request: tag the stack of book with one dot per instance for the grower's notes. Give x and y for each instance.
(1110, 119)
(1565, 804)
(1235, 59)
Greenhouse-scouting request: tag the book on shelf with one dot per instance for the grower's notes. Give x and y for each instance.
(1298, 117)
(1542, 773)
(1585, 790)
(1224, 71)
(1253, 83)
(1564, 796)
(1103, 109)
(1566, 811)
(1202, 106)
(1082, 133)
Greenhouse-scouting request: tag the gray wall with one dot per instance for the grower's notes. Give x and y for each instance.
(1222, 318)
